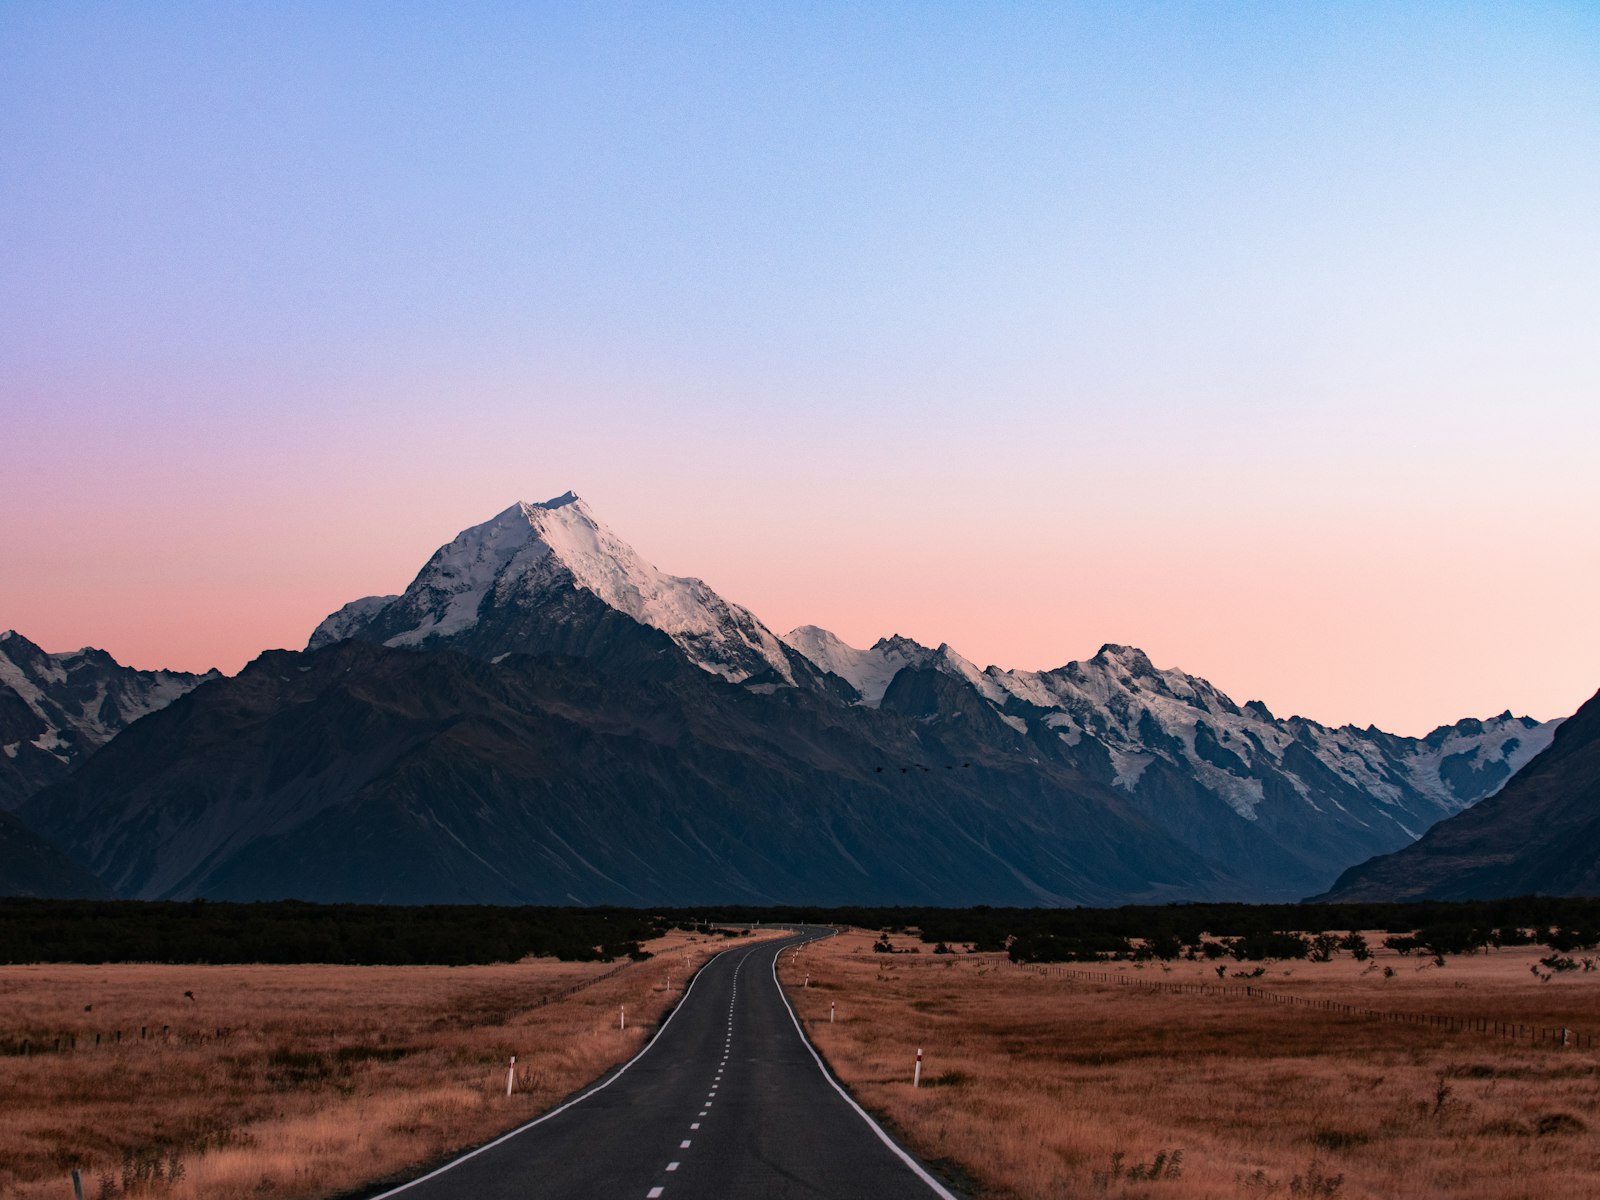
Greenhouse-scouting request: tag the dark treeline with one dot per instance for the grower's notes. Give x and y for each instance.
(292, 932)
(1250, 930)
(995, 925)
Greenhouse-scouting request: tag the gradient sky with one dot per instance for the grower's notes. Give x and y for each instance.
(1263, 337)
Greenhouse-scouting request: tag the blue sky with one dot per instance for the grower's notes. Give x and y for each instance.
(1070, 290)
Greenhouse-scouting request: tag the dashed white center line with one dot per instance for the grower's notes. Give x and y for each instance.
(653, 1193)
(683, 1145)
(672, 1166)
(694, 1125)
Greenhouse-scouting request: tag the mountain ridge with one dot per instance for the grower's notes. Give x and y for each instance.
(57, 709)
(364, 772)
(1214, 794)
(1539, 835)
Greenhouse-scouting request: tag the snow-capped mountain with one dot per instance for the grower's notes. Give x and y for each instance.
(57, 708)
(360, 772)
(543, 577)
(580, 680)
(1285, 803)
(1538, 835)
(870, 671)
(1199, 763)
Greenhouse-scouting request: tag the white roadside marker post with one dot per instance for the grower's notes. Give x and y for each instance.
(622, 1016)
(916, 1076)
(511, 1075)
(830, 1012)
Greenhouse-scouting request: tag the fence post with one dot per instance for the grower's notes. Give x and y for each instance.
(77, 1184)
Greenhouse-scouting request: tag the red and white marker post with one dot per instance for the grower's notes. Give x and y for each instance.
(916, 1076)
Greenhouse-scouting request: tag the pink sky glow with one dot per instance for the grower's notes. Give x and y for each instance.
(1259, 337)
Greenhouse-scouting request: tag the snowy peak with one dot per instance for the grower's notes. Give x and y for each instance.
(57, 708)
(1130, 658)
(565, 500)
(344, 623)
(524, 561)
(868, 671)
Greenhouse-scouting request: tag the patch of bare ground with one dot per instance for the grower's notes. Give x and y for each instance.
(1040, 1086)
(303, 1081)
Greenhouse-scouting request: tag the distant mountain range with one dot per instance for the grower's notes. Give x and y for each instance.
(1539, 835)
(1279, 801)
(542, 716)
(55, 709)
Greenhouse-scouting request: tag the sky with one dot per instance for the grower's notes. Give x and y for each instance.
(1263, 337)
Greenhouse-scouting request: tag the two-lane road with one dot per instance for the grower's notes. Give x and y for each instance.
(727, 1102)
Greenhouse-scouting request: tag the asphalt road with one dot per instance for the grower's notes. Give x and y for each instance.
(727, 1102)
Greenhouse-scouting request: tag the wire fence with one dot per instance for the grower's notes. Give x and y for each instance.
(24, 1044)
(1548, 1035)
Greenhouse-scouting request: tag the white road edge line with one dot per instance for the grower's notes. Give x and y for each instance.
(938, 1188)
(579, 1099)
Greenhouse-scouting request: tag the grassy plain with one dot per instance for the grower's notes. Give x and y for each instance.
(1037, 1086)
(298, 1081)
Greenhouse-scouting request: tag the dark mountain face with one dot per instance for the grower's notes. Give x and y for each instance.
(1285, 803)
(543, 716)
(361, 772)
(56, 709)
(31, 866)
(1540, 835)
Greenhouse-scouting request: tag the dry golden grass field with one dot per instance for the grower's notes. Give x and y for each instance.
(1040, 1087)
(297, 1081)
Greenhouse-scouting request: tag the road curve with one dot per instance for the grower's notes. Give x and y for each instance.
(727, 1102)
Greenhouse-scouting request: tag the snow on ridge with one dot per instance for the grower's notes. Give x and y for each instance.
(1137, 711)
(84, 697)
(341, 624)
(529, 548)
(870, 671)
(683, 608)
(452, 586)
(15, 678)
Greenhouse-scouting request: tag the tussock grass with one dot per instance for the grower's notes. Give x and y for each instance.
(298, 1081)
(1076, 1089)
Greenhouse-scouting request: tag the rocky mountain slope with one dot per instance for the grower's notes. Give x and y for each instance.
(1539, 835)
(545, 704)
(57, 708)
(550, 577)
(364, 772)
(1286, 799)
(31, 866)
